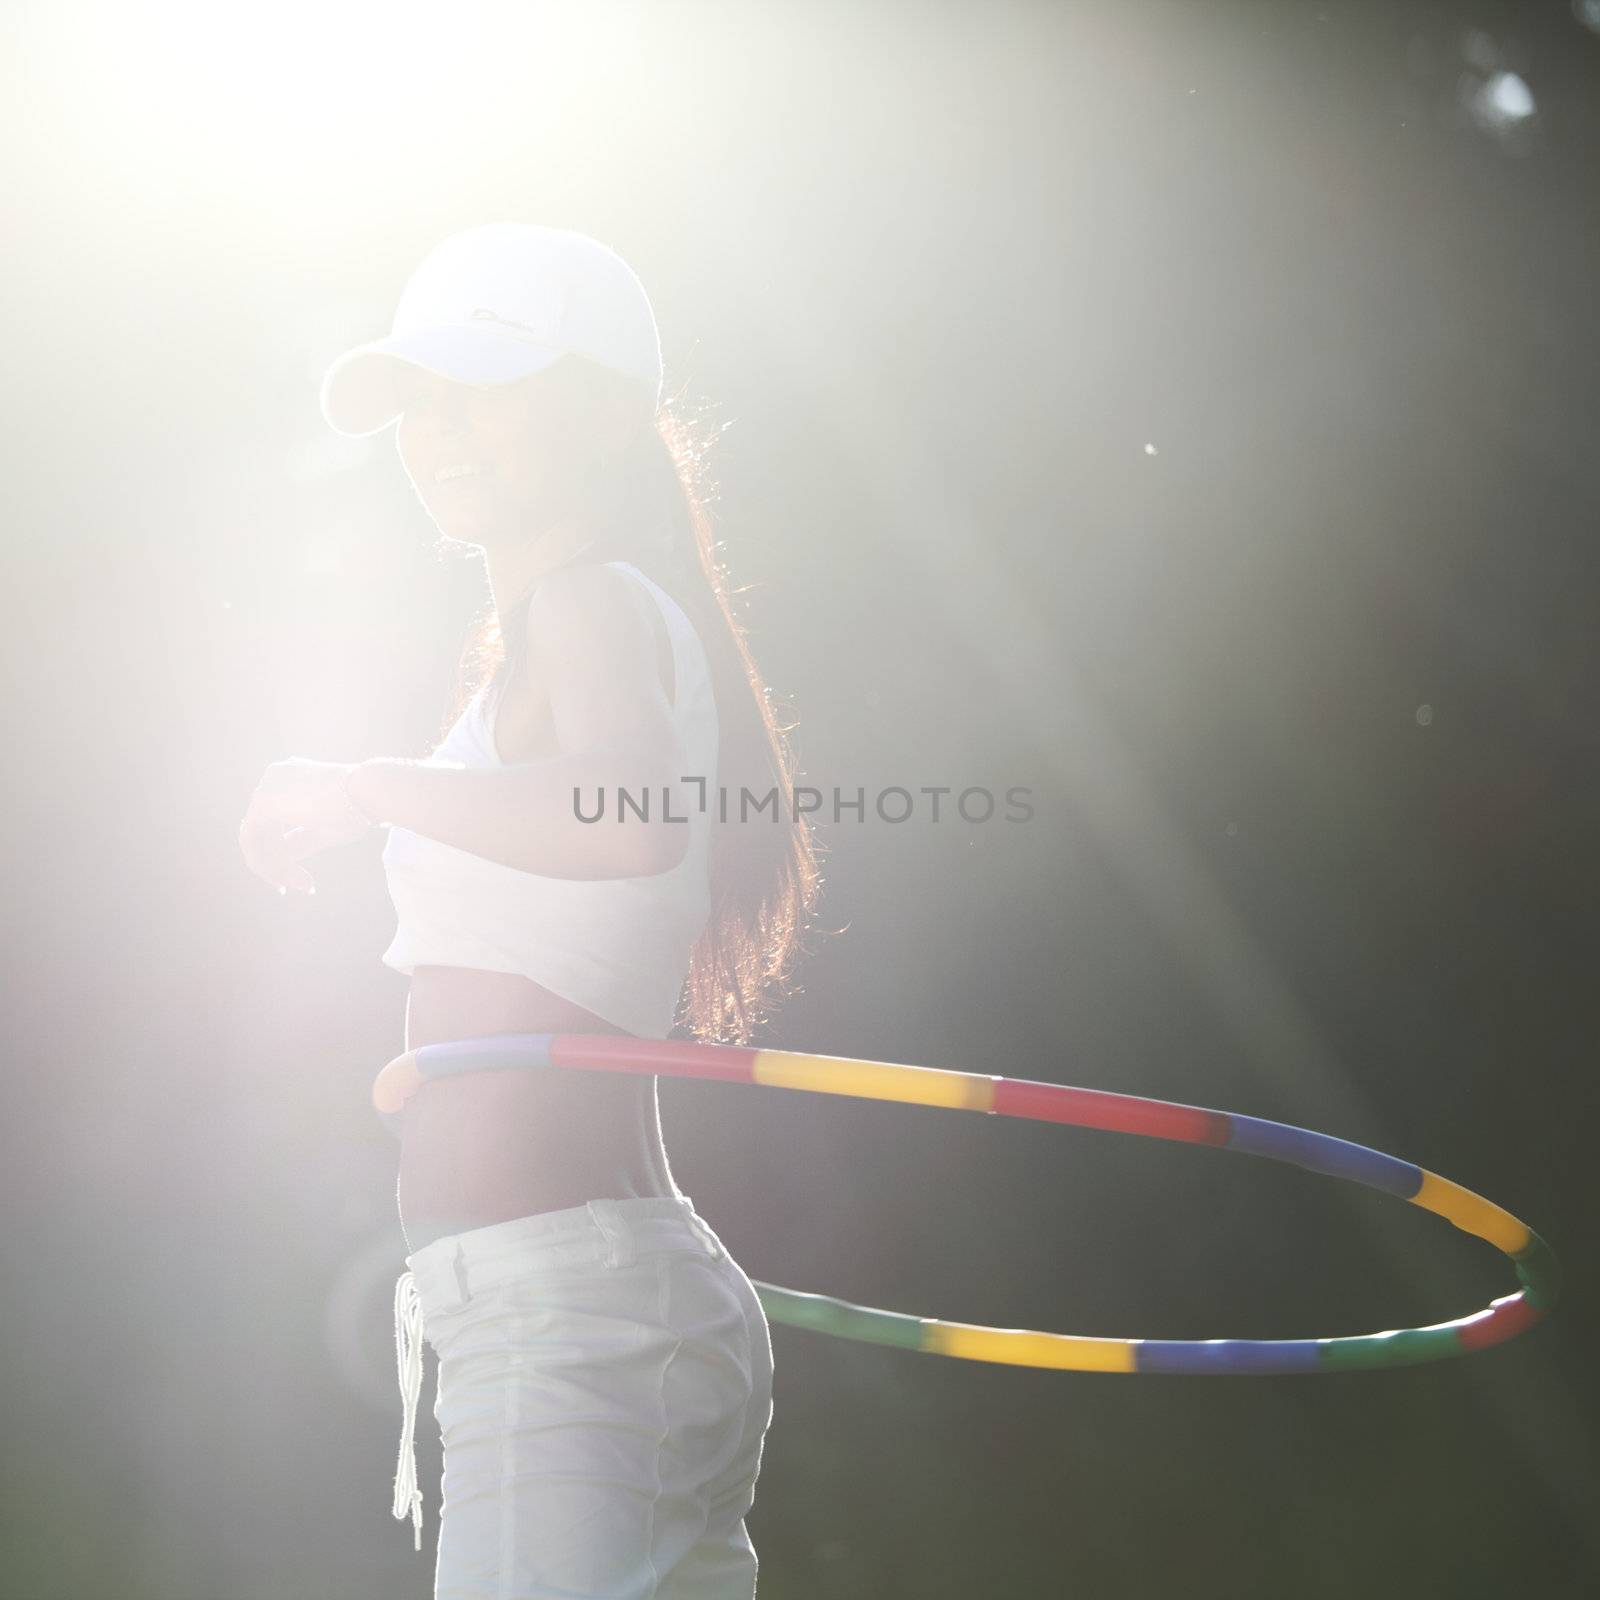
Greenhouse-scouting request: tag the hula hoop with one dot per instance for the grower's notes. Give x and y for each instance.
(1536, 1265)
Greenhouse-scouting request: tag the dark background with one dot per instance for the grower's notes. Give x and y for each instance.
(1306, 698)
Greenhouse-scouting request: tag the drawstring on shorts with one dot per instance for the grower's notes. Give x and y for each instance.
(408, 1358)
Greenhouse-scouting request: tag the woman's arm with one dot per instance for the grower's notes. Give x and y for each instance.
(592, 647)
(524, 815)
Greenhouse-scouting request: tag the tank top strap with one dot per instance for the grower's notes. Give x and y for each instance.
(680, 631)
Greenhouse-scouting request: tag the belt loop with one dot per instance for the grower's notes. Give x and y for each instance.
(702, 1228)
(618, 1236)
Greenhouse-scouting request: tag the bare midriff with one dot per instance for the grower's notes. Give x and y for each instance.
(485, 1147)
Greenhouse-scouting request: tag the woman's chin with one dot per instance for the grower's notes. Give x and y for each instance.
(458, 532)
(468, 525)
(483, 522)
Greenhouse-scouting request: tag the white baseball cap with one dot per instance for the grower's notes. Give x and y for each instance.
(494, 304)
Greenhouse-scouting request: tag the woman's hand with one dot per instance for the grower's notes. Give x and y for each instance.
(298, 808)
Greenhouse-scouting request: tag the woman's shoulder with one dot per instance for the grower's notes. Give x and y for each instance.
(586, 599)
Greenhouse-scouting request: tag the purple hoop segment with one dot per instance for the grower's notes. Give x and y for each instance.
(1536, 1265)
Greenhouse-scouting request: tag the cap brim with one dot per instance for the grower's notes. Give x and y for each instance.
(368, 387)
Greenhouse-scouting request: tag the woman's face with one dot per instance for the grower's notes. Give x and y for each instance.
(496, 464)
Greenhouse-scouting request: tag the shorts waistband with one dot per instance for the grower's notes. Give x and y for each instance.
(612, 1233)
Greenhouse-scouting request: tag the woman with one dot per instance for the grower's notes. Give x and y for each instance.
(605, 1368)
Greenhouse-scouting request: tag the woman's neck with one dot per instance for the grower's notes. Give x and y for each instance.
(514, 570)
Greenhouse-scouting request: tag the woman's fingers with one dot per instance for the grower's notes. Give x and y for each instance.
(309, 839)
(264, 844)
(297, 809)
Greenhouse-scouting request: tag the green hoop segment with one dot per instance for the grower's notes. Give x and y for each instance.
(1536, 1265)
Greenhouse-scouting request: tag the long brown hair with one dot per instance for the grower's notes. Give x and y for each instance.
(652, 507)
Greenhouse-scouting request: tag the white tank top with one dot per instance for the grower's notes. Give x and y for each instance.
(618, 947)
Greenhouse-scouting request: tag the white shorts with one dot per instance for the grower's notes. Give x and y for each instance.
(604, 1391)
